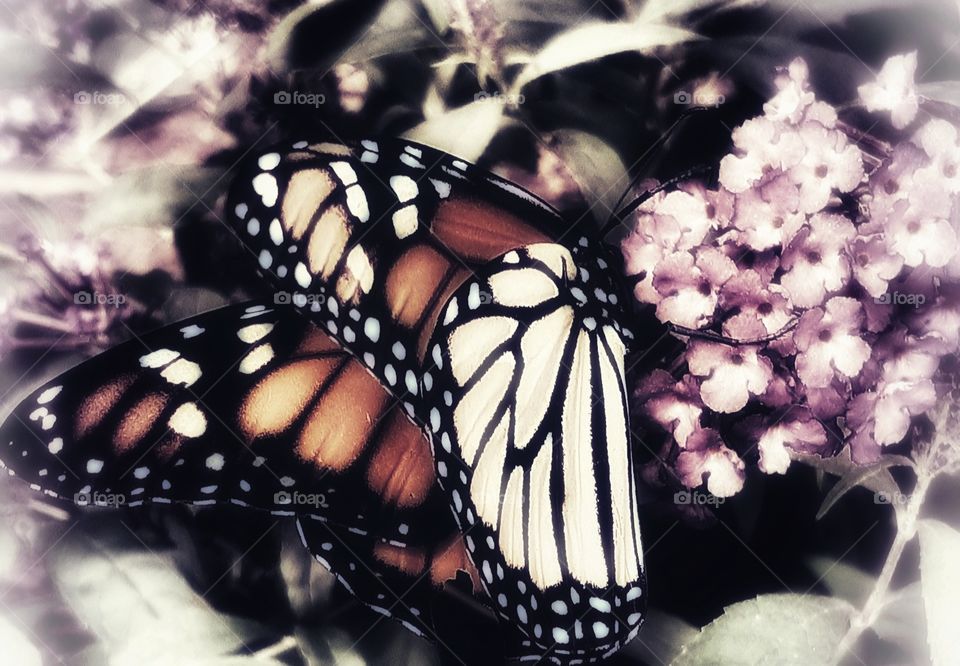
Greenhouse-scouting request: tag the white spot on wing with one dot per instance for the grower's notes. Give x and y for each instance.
(276, 232)
(188, 420)
(269, 161)
(49, 395)
(357, 203)
(265, 185)
(344, 172)
(256, 358)
(404, 187)
(405, 221)
(254, 332)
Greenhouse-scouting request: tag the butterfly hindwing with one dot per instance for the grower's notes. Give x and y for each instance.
(530, 431)
(249, 404)
(397, 582)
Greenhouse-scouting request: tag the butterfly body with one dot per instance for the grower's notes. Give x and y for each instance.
(440, 373)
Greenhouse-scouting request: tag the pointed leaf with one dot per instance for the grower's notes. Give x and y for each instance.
(591, 41)
(875, 477)
(596, 166)
(465, 131)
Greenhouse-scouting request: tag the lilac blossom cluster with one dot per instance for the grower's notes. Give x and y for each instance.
(833, 265)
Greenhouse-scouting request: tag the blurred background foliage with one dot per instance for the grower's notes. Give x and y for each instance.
(120, 121)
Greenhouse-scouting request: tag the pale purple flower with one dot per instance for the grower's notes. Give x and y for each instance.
(816, 261)
(780, 391)
(682, 218)
(894, 90)
(766, 148)
(794, 95)
(830, 164)
(689, 286)
(706, 459)
(920, 239)
(673, 405)
(767, 216)
(874, 263)
(828, 401)
(882, 417)
(753, 301)
(800, 432)
(829, 342)
(731, 374)
(940, 140)
(936, 328)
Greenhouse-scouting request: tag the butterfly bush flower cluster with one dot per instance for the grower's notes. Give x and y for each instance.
(833, 268)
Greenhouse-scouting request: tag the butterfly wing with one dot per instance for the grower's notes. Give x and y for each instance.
(248, 404)
(389, 243)
(394, 581)
(530, 431)
(370, 240)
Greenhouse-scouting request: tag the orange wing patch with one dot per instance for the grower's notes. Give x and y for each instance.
(280, 398)
(419, 266)
(98, 404)
(138, 421)
(401, 470)
(451, 558)
(479, 231)
(306, 192)
(343, 419)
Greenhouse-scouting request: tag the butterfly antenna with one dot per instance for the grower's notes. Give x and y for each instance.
(644, 162)
(676, 329)
(621, 215)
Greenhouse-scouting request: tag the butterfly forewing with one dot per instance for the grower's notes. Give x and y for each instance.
(370, 240)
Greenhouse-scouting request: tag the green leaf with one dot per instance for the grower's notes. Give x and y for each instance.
(940, 579)
(590, 41)
(843, 581)
(875, 477)
(780, 629)
(137, 602)
(465, 131)
(596, 166)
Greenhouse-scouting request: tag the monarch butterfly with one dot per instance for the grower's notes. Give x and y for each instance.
(437, 386)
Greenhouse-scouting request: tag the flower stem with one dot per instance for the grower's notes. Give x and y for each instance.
(906, 530)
